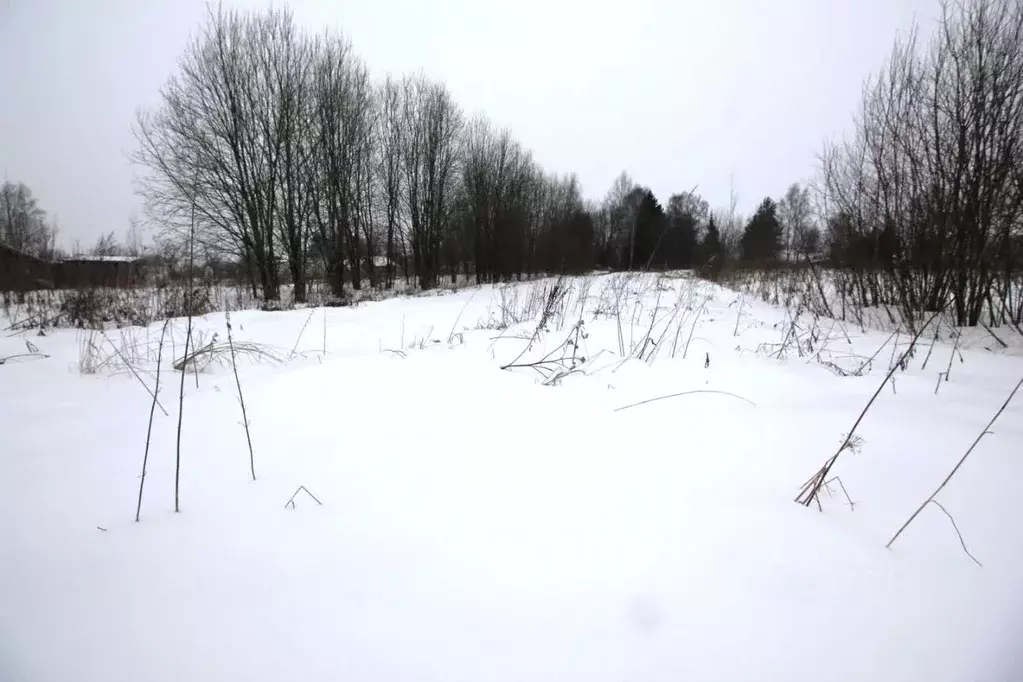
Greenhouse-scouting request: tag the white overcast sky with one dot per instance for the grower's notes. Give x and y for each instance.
(679, 93)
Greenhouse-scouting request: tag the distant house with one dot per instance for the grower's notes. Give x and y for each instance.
(20, 271)
(82, 272)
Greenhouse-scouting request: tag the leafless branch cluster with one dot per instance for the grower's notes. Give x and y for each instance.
(925, 200)
(306, 168)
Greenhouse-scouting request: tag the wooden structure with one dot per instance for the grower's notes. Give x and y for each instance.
(86, 272)
(20, 271)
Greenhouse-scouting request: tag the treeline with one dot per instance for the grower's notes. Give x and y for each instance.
(924, 201)
(275, 148)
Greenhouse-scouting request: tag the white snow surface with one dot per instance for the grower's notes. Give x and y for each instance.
(478, 526)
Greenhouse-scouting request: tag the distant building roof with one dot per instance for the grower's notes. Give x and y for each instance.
(101, 259)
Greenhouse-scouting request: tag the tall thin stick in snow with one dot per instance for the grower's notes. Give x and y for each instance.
(300, 333)
(152, 411)
(188, 341)
(241, 398)
(685, 351)
(984, 432)
(811, 489)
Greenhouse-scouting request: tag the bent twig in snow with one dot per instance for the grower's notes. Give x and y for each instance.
(4, 360)
(301, 488)
(677, 395)
(955, 527)
(984, 432)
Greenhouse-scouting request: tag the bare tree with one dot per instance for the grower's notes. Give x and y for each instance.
(388, 136)
(220, 121)
(107, 245)
(22, 223)
(925, 203)
(431, 125)
(795, 212)
(343, 117)
(291, 60)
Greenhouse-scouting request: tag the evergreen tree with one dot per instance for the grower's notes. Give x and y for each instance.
(686, 213)
(762, 238)
(711, 249)
(650, 228)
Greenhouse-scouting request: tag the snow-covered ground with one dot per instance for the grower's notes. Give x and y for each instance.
(477, 525)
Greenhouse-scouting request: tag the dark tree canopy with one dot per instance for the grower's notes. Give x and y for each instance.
(762, 238)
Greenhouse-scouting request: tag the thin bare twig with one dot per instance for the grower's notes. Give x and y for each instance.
(4, 360)
(676, 395)
(956, 528)
(130, 367)
(986, 430)
(241, 397)
(988, 329)
(811, 488)
(301, 488)
(685, 351)
(836, 479)
(300, 333)
(451, 335)
(152, 411)
(188, 340)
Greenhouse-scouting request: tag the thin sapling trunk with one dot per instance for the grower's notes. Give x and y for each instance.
(184, 370)
(241, 398)
(152, 411)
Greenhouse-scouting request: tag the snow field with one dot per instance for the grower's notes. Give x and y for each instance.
(477, 525)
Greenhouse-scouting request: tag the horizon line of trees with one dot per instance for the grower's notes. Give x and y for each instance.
(273, 148)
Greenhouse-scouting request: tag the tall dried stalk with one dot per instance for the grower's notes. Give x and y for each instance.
(300, 333)
(811, 489)
(188, 340)
(241, 398)
(152, 411)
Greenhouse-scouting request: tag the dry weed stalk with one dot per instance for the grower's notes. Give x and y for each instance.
(297, 341)
(188, 341)
(986, 430)
(291, 501)
(135, 373)
(152, 411)
(683, 393)
(685, 351)
(561, 361)
(241, 397)
(948, 370)
(810, 491)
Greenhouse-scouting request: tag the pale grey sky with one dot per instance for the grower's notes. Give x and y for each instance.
(676, 92)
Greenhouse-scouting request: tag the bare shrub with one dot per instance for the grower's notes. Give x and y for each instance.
(96, 308)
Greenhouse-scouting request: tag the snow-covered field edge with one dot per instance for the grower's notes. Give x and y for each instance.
(496, 502)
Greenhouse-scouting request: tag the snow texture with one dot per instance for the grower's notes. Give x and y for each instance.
(479, 526)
